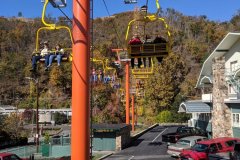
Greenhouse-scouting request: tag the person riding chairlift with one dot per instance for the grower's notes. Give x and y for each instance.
(58, 53)
(135, 41)
(159, 39)
(43, 54)
(148, 40)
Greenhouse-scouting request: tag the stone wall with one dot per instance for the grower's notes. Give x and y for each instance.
(123, 138)
(221, 113)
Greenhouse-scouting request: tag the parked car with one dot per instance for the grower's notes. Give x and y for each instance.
(181, 132)
(183, 144)
(10, 156)
(236, 152)
(202, 149)
(234, 155)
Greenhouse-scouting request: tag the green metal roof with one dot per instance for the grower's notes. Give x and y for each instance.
(109, 127)
(194, 107)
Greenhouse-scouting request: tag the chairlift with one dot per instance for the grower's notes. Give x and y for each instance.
(130, 1)
(58, 3)
(141, 76)
(67, 56)
(98, 61)
(144, 9)
(110, 69)
(159, 48)
(122, 95)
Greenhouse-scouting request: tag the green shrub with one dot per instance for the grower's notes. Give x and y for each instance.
(46, 138)
(164, 117)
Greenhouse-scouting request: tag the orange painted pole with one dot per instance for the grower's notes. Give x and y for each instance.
(136, 115)
(127, 93)
(80, 138)
(133, 116)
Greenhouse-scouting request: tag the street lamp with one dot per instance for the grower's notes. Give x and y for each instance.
(37, 130)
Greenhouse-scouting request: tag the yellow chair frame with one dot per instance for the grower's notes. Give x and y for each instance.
(141, 48)
(110, 68)
(51, 27)
(122, 92)
(94, 60)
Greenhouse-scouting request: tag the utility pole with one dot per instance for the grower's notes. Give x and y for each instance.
(37, 103)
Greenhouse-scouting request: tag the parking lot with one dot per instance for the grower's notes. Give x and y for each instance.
(149, 146)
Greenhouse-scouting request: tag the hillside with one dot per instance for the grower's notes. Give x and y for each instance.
(194, 38)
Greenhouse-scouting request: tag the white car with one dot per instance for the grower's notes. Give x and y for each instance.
(183, 143)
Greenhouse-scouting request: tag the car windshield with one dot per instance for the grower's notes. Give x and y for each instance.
(183, 142)
(200, 147)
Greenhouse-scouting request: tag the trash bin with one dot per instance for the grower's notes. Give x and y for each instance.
(45, 150)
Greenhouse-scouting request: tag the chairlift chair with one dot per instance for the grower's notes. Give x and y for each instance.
(58, 3)
(110, 69)
(101, 62)
(130, 1)
(148, 50)
(145, 50)
(122, 95)
(67, 56)
(141, 76)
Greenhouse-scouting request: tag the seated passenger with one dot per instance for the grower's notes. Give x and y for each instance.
(59, 53)
(138, 63)
(94, 76)
(107, 79)
(44, 54)
(159, 39)
(100, 75)
(117, 62)
(135, 41)
(148, 40)
(149, 62)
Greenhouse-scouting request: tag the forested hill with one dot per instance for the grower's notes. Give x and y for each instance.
(194, 38)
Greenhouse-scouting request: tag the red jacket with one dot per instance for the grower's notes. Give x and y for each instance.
(135, 41)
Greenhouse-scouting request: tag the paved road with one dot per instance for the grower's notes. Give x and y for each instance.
(147, 147)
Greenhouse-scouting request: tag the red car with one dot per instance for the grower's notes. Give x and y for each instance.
(10, 156)
(201, 149)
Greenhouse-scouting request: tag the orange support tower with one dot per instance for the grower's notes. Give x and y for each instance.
(133, 115)
(127, 93)
(80, 138)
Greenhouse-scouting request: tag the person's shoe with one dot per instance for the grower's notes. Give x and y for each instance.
(46, 69)
(32, 70)
(58, 65)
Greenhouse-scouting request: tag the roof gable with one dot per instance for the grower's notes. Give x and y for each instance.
(224, 46)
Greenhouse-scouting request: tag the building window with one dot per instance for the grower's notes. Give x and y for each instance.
(233, 66)
(235, 119)
(231, 89)
(204, 117)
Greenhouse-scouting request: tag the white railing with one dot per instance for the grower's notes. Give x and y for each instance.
(207, 97)
(233, 96)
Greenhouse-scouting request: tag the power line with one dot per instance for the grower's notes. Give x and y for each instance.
(91, 89)
(112, 22)
(65, 14)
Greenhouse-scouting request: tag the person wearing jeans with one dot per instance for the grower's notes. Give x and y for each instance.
(44, 54)
(59, 52)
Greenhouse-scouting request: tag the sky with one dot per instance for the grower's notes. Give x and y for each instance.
(217, 10)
